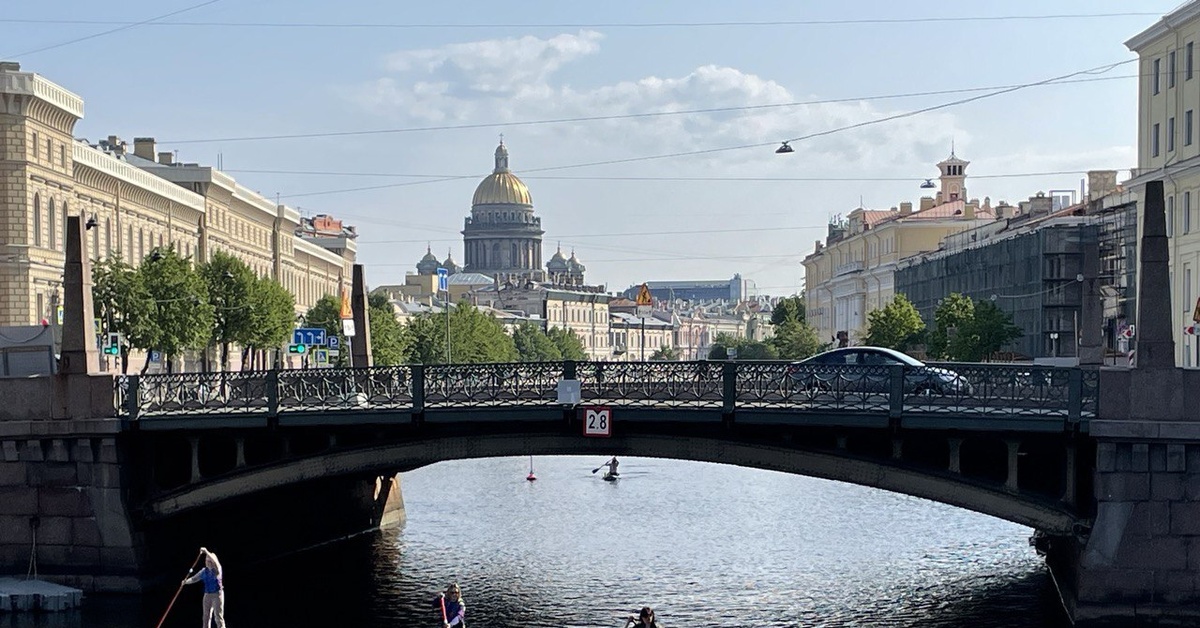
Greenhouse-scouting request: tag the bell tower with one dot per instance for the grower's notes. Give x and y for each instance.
(953, 179)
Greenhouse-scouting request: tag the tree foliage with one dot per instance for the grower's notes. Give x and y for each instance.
(896, 326)
(665, 354)
(796, 340)
(475, 337)
(988, 330)
(569, 344)
(952, 312)
(746, 349)
(230, 285)
(533, 345)
(272, 315)
(183, 316)
(389, 339)
(788, 309)
(123, 304)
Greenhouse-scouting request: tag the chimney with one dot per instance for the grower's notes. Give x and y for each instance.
(144, 147)
(1101, 183)
(969, 210)
(10, 66)
(906, 209)
(1041, 204)
(926, 203)
(166, 158)
(1003, 211)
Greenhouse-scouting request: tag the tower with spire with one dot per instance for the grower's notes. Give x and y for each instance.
(953, 179)
(503, 237)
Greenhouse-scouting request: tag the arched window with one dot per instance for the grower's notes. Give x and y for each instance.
(515, 260)
(53, 230)
(64, 225)
(37, 219)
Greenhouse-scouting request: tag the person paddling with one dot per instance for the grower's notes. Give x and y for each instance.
(453, 607)
(214, 589)
(612, 467)
(644, 619)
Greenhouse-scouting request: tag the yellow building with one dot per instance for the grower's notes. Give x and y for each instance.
(136, 201)
(851, 272)
(1168, 149)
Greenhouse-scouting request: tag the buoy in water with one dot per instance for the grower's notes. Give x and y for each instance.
(531, 477)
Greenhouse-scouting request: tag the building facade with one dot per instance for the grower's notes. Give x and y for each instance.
(1169, 149)
(733, 290)
(135, 201)
(852, 272)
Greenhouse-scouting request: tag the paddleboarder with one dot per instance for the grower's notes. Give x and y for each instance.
(453, 607)
(612, 467)
(214, 589)
(644, 619)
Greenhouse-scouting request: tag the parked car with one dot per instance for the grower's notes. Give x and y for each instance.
(822, 372)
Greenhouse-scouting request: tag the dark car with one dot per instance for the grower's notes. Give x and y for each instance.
(865, 369)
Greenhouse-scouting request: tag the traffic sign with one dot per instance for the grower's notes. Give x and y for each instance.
(308, 336)
(59, 314)
(348, 327)
(597, 421)
(345, 312)
(1196, 312)
(443, 279)
(334, 342)
(155, 357)
(644, 297)
(322, 356)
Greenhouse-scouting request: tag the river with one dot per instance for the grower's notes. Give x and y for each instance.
(704, 544)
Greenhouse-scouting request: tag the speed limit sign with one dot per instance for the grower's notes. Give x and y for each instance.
(597, 421)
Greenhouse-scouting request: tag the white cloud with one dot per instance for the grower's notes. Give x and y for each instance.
(520, 79)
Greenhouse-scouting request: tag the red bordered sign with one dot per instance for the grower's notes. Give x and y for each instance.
(597, 421)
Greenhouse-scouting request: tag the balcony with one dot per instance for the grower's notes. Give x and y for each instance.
(847, 268)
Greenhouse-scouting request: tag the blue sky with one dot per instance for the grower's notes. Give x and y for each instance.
(181, 83)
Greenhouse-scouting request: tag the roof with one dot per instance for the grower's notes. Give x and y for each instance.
(1173, 20)
(469, 279)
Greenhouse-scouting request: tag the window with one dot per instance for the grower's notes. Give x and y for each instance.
(36, 146)
(37, 220)
(1170, 216)
(1187, 128)
(49, 150)
(62, 155)
(1171, 134)
(108, 250)
(1187, 287)
(1187, 62)
(1187, 212)
(1154, 75)
(1154, 141)
(1171, 69)
(64, 225)
(53, 231)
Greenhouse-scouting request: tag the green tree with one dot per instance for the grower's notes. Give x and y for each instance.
(272, 316)
(895, 326)
(988, 330)
(568, 342)
(389, 339)
(230, 284)
(665, 354)
(746, 349)
(796, 340)
(475, 337)
(952, 313)
(788, 309)
(533, 345)
(123, 304)
(183, 316)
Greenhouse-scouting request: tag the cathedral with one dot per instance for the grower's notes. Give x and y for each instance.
(502, 238)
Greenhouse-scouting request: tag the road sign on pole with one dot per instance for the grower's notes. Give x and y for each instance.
(308, 336)
(334, 343)
(443, 276)
(597, 421)
(645, 302)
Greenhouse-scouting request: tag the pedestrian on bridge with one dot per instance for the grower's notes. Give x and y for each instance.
(453, 607)
(644, 619)
(214, 589)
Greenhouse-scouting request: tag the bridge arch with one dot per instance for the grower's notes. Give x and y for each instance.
(1033, 510)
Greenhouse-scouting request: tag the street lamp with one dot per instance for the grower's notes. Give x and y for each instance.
(1054, 344)
(784, 149)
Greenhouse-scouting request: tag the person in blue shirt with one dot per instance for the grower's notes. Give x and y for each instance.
(644, 619)
(214, 589)
(453, 607)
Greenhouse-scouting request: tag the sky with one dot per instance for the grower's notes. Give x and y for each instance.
(422, 91)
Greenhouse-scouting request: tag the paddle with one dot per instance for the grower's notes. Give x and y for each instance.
(176, 596)
(442, 599)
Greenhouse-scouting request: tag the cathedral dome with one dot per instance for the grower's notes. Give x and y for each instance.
(428, 264)
(502, 187)
(557, 263)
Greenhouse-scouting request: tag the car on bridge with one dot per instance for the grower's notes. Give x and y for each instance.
(867, 370)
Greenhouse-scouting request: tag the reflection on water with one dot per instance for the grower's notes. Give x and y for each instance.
(705, 544)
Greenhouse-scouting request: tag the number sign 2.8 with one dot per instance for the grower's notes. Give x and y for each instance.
(597, 421)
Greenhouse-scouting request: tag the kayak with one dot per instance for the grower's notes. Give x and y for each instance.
(611, 477)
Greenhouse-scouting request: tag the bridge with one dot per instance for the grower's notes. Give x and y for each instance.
(116, 480)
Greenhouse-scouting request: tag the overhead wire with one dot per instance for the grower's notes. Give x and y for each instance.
(714, 24)
(708, 151)
(125, 26)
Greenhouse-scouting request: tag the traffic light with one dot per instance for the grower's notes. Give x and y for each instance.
(297, 349)
(112, 346)
(113, 350)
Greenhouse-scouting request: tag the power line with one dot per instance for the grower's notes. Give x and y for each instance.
(637, 233)
(722, 24)
(124, 26)
(624, 116)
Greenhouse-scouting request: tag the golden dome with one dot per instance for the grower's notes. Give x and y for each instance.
(502, 187)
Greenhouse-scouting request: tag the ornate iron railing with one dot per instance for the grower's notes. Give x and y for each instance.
(984, 390)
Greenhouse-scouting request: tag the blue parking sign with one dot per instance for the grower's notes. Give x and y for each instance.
(443, 279)
(334, 342)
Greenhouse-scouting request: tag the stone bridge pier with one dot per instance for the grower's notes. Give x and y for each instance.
(1139, 559)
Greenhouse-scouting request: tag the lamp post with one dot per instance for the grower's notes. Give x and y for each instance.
(1054, 344)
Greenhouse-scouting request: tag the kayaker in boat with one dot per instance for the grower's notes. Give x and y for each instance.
(214, 589)
(644, 619)
(612, 467)
(452, 605)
